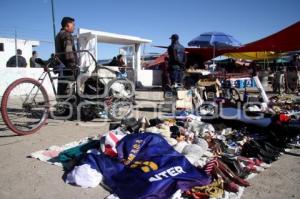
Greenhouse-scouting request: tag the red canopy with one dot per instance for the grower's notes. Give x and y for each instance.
(285, 40)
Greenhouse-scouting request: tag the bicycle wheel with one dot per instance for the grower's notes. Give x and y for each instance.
(119, 109)
(25, 106)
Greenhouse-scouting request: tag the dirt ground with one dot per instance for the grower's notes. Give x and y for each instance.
(23, 177)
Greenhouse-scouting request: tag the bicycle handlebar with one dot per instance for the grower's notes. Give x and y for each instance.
(54, 57)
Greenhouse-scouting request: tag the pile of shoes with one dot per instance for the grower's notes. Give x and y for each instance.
(230, 155)
(265, 151)
(284, 103)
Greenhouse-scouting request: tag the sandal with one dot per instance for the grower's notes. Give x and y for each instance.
(214, 190)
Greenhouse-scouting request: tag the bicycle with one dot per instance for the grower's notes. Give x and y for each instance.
(25, 105)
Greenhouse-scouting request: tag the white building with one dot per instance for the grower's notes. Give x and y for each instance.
(131, 47)
(8, 49)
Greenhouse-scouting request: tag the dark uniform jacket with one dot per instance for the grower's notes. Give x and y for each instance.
(12, 61)
(64, 43)
(176, 54)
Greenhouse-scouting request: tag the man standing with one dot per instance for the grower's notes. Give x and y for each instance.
(64, 46)
(32, 62)
(12, 62)
(177, 59)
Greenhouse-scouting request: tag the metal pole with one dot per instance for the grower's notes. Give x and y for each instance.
(53, 19)
(16, 48)
(214, 53)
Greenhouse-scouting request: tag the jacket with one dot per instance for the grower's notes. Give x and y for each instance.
(64, 43)
(176, 54)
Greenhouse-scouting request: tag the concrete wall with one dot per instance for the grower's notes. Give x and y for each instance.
(149, 78)
(8, 75)
(9, 49)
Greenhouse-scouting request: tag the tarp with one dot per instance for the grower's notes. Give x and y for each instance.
(159, 60)
(254, 55)
(282, 41)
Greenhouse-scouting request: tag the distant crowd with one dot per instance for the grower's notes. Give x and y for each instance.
(19, 61)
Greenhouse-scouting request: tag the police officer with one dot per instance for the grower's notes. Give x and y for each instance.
(12, 62)
(177, 59)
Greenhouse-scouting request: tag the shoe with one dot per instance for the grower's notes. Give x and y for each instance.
(271, 150)
(228, 184)
(268, 155)
(259, 169)
(253, 149)
(249, 150)
(264, 159)
(143, 123)
(231, 187)
(214, 189)
(231, 175)
(246, 160)
(234, 165)
(268, 144)
(268, 147)
(195, 195)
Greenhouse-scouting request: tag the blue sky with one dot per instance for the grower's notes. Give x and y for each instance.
(152, 19)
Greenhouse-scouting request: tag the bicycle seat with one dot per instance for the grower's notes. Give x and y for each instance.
(50, 63)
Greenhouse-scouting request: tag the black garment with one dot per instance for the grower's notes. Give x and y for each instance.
(68, 76)
(176, 54)
(12, 61)
(64, 43)
(114, 62)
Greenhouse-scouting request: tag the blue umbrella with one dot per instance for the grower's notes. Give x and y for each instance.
(217, 40)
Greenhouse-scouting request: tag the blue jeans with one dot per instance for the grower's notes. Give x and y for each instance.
(122, 75)
(176, 76)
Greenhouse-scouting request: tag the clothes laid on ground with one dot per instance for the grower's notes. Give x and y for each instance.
(84, 176)
(147, 166)
(77, 152)
(109, 141)
(184, 154)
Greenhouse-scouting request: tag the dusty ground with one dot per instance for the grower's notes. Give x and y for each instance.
(23, 177)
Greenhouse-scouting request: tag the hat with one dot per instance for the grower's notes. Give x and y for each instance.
(155, 121)
(66, 20)
(174, 37)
